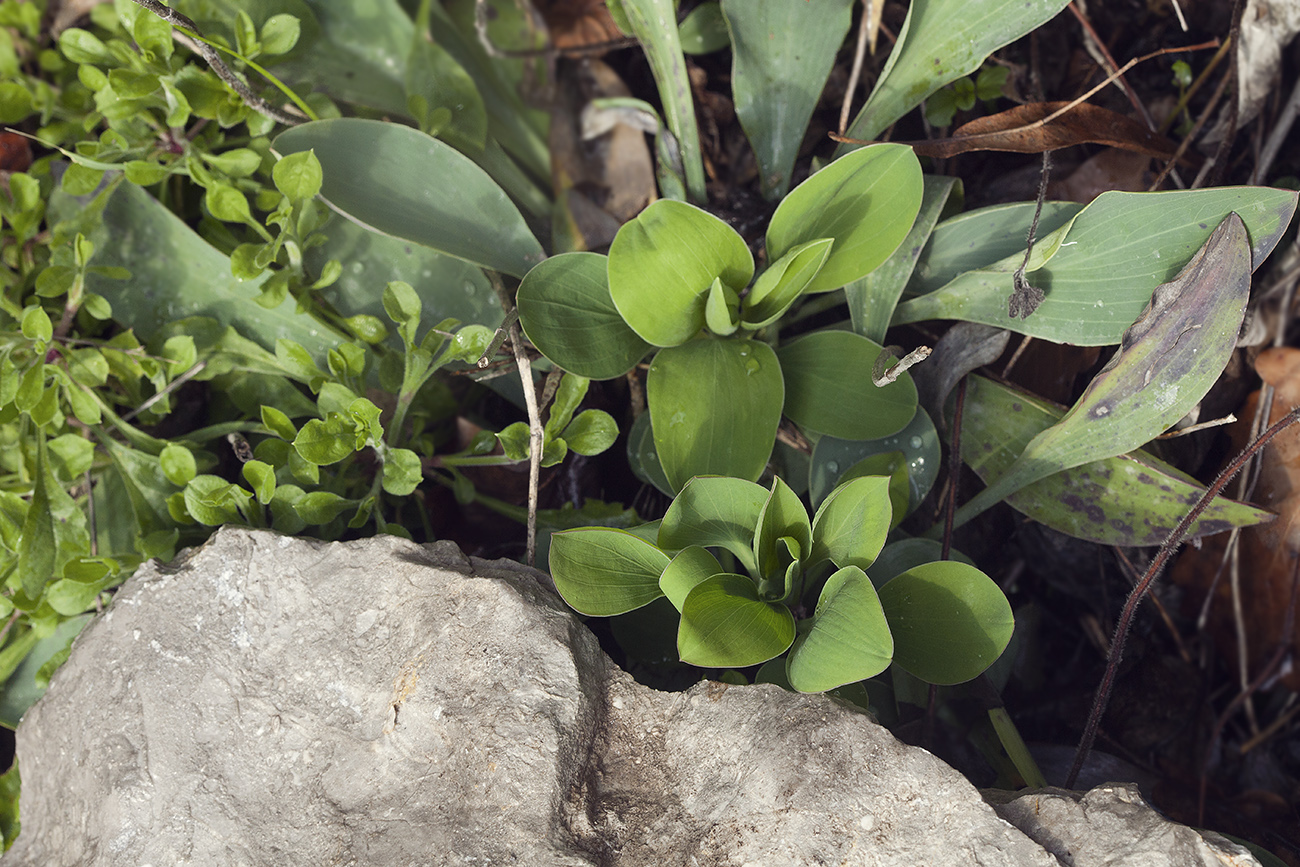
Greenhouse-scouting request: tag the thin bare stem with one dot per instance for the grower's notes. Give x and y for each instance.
(1167, 549)
(535, 434)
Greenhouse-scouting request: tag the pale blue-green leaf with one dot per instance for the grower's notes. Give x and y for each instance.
(828, 387)
(359, 56)
(782, 53)
(449, 288)
(652, 24)
(949, 620)
(725, 625)
(919, 442)
(704, 30)
(940, 41)
(401, 182)
(977, 239)
(175, 274)
(1116, 252)
(849, 639)
(715, 405)
(643, 458)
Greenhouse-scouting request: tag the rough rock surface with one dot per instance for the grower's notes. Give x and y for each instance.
(272, 701)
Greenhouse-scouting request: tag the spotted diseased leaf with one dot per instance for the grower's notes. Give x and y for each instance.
(1167, 361)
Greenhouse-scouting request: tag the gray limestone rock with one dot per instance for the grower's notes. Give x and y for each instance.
(276, 701)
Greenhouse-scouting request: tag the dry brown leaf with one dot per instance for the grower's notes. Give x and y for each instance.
(1022, 130)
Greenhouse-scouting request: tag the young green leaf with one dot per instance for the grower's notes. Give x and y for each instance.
(721, 309)
(261, 477)
(601, 572)
(725, 625)
(591, 432)
(570, 392)
(213, 501)
(783, 518)
(849, 639)
(321, 507)
(662, 264)
(850, 527)
(715, 512)
(278, 423)
(298, 175)
(178, 464)
(781, 285)
(328, 441)
(402, 472)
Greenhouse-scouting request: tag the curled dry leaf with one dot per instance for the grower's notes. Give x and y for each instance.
(1022, 130)
(1268, 552)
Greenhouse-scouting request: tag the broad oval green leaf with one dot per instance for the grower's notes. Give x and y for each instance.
(781, 285)
(400, 182)
(866, 201)
(715, 404)
(1133, 500)
(783, 51)
(725, 625)
(662, 264)
(828, 387)
(851, 525)
(715, 512)
(940, 41)
(1114, 254)
(849, 640)
(601, 572)
(949, 620)
(566, 311)
(691, 566)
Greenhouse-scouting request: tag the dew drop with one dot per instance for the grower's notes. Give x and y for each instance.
(915, 442)
(752, 366)
(832, 467)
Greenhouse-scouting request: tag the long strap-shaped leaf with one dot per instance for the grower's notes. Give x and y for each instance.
(1167, 361)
